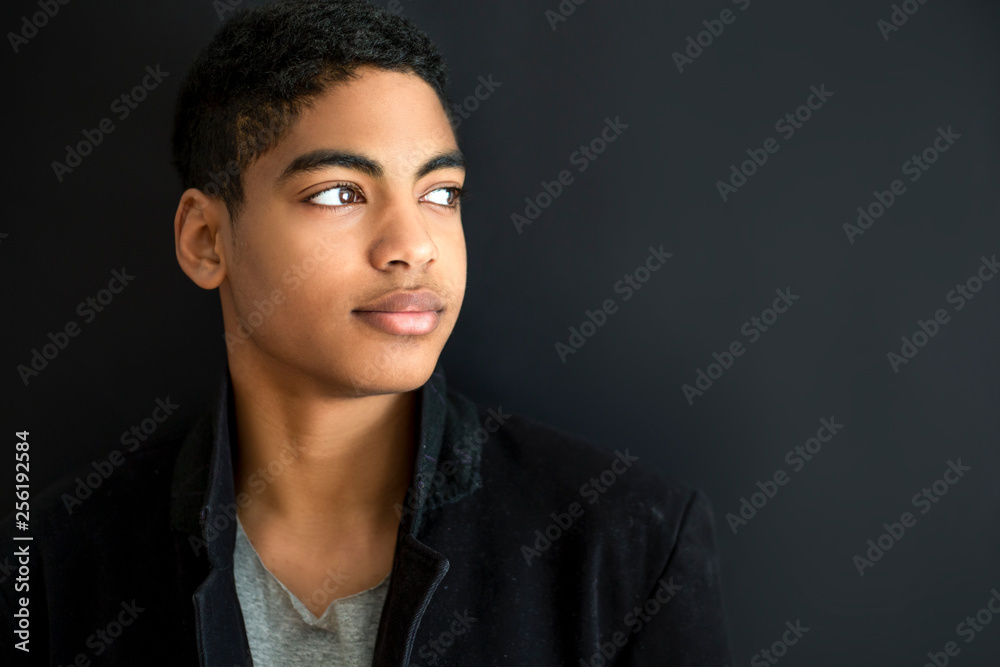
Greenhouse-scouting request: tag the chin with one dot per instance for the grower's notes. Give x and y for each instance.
(384, 373)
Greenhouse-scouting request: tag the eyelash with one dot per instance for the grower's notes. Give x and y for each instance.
(459, 193)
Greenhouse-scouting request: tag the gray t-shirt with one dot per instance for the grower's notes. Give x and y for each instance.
(282, 632)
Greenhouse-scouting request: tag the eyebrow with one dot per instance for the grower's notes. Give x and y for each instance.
(450, 160)
(323, 158)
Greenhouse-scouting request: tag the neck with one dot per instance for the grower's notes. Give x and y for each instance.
(318, 463)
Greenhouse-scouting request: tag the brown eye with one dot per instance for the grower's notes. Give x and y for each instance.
(444, 196)
(339, 195)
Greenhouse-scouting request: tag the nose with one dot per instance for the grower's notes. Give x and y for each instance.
(403, 238)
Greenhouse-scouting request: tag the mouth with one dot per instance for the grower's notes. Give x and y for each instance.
(403, 313)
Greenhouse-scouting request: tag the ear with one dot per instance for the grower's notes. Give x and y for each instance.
(201, 234)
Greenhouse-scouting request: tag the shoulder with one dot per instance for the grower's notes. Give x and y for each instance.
(608, 501)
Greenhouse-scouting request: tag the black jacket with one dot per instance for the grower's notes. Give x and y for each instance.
(518, 545)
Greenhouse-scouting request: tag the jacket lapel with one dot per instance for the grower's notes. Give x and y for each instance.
(416, 572)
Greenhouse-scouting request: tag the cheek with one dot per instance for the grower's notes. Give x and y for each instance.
(318, 279)
(295, 273)
(454, 253)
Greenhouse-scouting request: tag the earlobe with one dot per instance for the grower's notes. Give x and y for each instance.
(198, 225)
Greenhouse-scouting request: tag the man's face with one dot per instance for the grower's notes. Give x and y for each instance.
(354, 206)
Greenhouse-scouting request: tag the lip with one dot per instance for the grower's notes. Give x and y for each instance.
(401, 301)
(403, 313)
(409, 323)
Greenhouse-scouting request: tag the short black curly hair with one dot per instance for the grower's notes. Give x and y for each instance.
(265, 64)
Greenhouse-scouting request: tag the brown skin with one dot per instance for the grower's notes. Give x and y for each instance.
(323, 397)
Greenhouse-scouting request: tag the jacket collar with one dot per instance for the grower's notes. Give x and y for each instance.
(203, 510)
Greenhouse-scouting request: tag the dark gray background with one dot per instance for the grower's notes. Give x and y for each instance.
(825, 357)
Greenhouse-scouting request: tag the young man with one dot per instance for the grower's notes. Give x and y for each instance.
(340, 504)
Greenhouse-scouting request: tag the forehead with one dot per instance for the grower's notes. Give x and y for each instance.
(394, 117)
